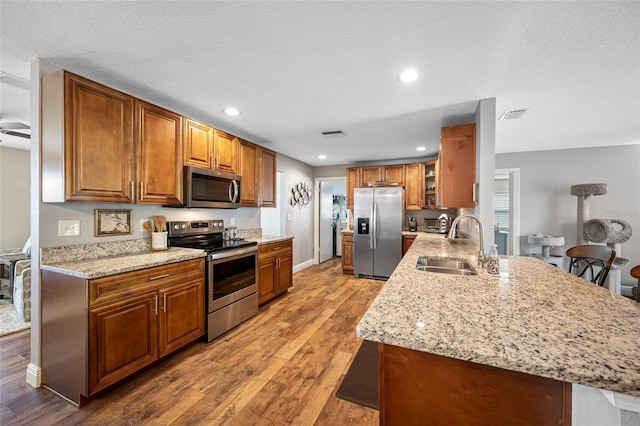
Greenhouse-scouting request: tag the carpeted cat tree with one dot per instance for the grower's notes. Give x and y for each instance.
(612, 232)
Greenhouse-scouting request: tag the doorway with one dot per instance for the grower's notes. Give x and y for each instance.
(506, 211)
(330, 217)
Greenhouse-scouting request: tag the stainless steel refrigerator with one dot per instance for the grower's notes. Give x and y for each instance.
(377, 237)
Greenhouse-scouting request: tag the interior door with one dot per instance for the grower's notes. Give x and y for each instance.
(326, 222)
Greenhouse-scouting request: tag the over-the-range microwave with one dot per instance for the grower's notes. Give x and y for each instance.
(206, 188)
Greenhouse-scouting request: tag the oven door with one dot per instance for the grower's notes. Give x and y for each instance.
(231, 276)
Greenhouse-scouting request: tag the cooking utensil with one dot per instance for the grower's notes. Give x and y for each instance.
(148, 226)
(152, 225)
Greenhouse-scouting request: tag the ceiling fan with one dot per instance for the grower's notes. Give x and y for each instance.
(10, 127)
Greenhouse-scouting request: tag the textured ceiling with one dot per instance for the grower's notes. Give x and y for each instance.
(295, 69)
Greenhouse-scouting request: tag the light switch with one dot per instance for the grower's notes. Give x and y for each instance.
(68, 228)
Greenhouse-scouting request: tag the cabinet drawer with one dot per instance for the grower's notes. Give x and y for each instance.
(274, 249)
(113, 287)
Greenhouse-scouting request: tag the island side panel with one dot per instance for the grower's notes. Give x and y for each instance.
(423, 388)
(64, 335)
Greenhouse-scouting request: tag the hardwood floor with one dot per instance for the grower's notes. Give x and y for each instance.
(281, 367)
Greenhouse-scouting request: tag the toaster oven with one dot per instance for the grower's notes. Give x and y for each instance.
(436, 226)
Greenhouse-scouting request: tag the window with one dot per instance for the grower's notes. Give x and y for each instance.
(501, 210)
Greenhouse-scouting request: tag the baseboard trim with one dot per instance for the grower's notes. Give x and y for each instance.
(303, 265)
(34, 375)
(622, 401)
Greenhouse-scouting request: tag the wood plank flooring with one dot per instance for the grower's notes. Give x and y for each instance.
(281, 367)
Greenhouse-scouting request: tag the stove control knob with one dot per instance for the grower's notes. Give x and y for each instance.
(183, 226)
(176, 226)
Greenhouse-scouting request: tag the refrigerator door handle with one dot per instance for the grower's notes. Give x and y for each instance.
(374, 225)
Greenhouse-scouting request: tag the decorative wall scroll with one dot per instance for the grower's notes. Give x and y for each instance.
(300, 194)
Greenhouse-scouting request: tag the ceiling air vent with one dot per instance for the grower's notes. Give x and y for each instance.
(334, 133)
(513, 114)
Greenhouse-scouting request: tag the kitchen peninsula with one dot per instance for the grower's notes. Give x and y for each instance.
(456, 348)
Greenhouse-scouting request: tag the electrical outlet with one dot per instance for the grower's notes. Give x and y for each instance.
(68, 228)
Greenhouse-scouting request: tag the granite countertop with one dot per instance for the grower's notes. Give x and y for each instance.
(111, 265)
(532, 318)
(265, 239)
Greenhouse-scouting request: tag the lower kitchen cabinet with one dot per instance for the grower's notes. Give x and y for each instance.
(407, 240)
(114, 326)
(275, 269)
(347, 252)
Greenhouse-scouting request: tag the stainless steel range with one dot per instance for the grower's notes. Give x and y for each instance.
(231, 277)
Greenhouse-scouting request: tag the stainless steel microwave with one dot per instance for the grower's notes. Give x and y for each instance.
(204, 188)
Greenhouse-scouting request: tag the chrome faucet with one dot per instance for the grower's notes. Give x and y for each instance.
(452, 234)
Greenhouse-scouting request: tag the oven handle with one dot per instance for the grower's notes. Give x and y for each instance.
(233, 191)
(232, 253)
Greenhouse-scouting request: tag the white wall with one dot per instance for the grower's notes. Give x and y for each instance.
(546, 203)
(15, 191)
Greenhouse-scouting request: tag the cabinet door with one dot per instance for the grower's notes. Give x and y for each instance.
(250, 172)
(159, 155)
(267, 181)
(370, 174)
(394, 173)
(267, 279)
(225, 152)
(181, 315)
(407, 241)
(285, 271)
(347, 253)
(353, 181)
(431, 197)
(99, 148)
(122, 339)
(414, 186)
(457, 165)
(198, 144)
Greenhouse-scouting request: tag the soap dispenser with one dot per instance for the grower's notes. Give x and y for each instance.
(493, 263)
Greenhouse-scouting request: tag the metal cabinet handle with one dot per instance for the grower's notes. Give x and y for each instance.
(155, 303)
(159, 277)
(133, 190)
(164, 302)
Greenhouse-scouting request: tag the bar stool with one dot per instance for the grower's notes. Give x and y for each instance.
(586, 259)
(635, 273)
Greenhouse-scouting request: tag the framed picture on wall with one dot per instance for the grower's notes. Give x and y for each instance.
(112, 222)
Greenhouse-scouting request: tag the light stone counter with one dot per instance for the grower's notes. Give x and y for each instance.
(532, 318)
(265, 239)
(111, 265)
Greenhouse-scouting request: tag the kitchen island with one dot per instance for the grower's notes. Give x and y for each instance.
(533, 326)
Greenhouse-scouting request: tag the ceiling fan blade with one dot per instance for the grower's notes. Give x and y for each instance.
(13, 125)
(18, 134)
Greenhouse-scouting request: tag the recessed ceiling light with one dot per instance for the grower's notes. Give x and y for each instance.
(409, 76)
(231, 111)
(421, 148)
(322, 157)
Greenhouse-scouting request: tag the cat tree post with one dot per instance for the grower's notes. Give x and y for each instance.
(583, 192)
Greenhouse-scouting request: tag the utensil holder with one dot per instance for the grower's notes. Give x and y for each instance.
(159, 240)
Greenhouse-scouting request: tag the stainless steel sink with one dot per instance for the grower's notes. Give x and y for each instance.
(444, 266)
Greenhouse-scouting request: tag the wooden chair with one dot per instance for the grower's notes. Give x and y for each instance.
(591, 262)
(635, 273)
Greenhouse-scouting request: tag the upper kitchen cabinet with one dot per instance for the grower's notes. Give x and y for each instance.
(198, 144)
(102, 146)
(394, 173)
(353, 181)
(457, 163)
(258, 171)
(370, 174)
(431, 172)
(88, 150)
(414, 186)
(159, 166)
(225, 152)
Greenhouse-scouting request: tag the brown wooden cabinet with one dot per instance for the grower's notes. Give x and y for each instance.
(347, 252)
(258, 170)
(414, 186)
(159, 164)
(225, 152)
(431, 184)
(103, 146)
(457, 163)
(198, 144)
(88, 141)
(116, 325)
(428, 389)
(353, 181)
(275, 269)
(407, 241)
(393, 173)
(370, 174)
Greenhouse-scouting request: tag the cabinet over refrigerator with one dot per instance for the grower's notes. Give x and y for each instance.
(377, 239)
